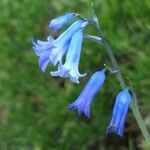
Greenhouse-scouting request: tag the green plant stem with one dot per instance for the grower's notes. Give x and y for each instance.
(134, 106)
(114, 63)
(137, 115)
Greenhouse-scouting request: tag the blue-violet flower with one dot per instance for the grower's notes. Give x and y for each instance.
(61, 21)
(70, 68)
(83, 102)
(122, 102)
(53, 50)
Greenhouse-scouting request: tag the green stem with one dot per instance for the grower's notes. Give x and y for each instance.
(134, 106)
(114, 63)
(137, 115)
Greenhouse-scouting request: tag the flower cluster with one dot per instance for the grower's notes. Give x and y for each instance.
(70, 42)
(53, 50)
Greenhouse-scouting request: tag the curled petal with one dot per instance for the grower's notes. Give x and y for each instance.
(43, 61)
(40, 47)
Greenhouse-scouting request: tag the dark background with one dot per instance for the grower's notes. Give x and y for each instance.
(33, 105)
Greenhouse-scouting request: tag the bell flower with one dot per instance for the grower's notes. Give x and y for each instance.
(53, 50)
(83, 102)
(117, 122)
(70, 67)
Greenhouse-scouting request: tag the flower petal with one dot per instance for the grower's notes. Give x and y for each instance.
(40, 47)
(43, 61)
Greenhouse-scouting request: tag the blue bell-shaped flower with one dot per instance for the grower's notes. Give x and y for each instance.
(120, 110)
(83, 102)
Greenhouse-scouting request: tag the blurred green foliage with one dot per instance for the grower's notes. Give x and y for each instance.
(33, 105)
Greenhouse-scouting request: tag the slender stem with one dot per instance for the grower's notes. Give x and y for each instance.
(114, 63)
(137, 115)
(134, 106)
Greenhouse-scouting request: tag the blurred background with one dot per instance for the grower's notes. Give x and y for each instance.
(33, 105)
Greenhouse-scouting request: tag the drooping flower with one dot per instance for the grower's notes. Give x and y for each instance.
(70, 68)
(61, 21)
(122, 102)
(83, 102)
(53, 50)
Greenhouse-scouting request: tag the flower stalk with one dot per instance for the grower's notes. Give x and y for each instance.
(134, 106)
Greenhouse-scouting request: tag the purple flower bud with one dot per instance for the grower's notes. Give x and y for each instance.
(61, 21)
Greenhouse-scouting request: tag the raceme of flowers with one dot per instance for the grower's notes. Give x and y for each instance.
(70, 42)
